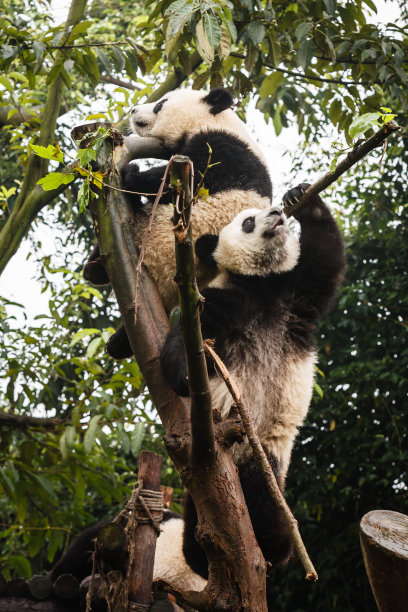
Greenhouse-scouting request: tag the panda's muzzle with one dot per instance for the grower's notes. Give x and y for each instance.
(273, 220)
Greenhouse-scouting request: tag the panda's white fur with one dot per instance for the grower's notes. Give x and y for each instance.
(255, 253)
(169, 561)
(261, 309)
(185, 112)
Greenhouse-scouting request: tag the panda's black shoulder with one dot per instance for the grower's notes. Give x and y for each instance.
(233, 164)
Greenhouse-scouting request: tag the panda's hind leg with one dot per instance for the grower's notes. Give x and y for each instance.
(193, 553)
(271, 531)
(118, 345)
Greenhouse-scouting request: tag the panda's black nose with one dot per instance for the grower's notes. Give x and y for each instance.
(275, 211)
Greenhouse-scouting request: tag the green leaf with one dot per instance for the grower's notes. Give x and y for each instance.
(256, 32)
(89, 331)
(78, 29)
(362, 124)
(277, 122)
(136, 438)
(54, 73)
(83, 196)
(21, 564)
(50, 152)
(270, 84)
(53, 180)
(6, 83)
(203, 46)
(212, 30)
(303, 30)
(91, 433)
(178, 13)
(224, 48)
(335, 110)
(85, 156)
(38, 49)
(305, 52)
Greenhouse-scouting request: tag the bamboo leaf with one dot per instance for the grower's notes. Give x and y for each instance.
(270, 84)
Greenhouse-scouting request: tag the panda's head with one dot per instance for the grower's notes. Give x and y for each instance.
(184, 112)
(255, 243)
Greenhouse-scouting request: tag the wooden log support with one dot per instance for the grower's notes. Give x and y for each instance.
(112, 544)
(40, 587)
(66, 587)
(98, 603)
(17, 587)
(384, 542)
(145, 535)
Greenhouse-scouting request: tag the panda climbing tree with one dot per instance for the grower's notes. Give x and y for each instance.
(263, 287)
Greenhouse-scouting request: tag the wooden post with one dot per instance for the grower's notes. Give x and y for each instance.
(144, 537)
(384, 542)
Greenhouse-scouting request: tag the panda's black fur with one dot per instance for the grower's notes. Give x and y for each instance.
(189, 122)
(261, 309)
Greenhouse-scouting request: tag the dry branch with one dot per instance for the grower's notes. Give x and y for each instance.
(352, 158)
(264, 464)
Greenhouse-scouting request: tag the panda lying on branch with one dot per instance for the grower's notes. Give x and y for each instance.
(188, 122)
(261, 309)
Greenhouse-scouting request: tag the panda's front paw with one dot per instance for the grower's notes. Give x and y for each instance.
(315, 207)
(130, 179)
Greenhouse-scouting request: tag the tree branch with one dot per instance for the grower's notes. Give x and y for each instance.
(18, 421)
(202, 430)
(352, 158)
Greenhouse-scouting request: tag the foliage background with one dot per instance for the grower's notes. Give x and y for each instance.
(72, 422)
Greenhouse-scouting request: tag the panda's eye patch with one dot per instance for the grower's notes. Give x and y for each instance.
(248, 225)
(159, 106)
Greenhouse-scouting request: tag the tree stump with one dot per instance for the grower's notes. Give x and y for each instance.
(384, 542)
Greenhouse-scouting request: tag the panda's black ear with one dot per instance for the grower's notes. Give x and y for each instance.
(219, 99)
(205, 247)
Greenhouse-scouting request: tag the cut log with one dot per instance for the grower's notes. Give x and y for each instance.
(66, 587)
(40, 587)
(384, 542)
(17, 587)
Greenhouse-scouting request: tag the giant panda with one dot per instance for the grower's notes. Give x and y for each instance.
(188, 122)
(261, 308)
(169, 561)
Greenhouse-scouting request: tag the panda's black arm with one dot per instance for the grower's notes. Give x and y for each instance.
(222, 309)
(320, 269)
(147, 181)
(173, 362)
